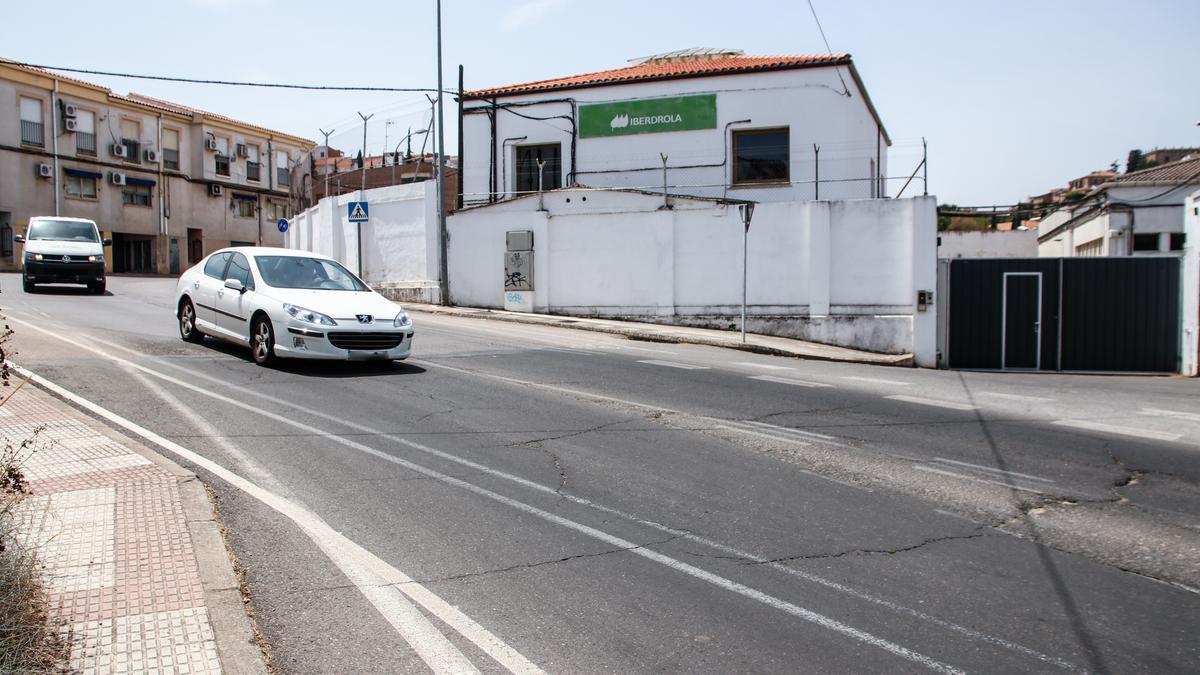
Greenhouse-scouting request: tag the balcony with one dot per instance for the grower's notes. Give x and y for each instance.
(33, 133)
(85, 143)
(253, 171)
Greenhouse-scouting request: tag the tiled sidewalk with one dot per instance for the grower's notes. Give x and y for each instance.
(117, 549)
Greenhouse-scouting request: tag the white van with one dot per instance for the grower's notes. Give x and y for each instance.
(63, 250)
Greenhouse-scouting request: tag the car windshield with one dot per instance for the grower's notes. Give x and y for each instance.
(62, 230)
(289, 271)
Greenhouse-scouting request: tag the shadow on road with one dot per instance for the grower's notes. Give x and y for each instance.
(315, 368)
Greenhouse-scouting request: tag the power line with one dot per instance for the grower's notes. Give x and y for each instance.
(845, 89)
(229, 83)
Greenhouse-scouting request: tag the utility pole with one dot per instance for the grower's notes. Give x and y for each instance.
(747, 211)
(361, 195)
(444, 279)
(326, 134)
(385, 135)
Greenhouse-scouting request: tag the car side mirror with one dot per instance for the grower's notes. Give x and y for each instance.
(106, 242)
(19, 238)
(235, 285)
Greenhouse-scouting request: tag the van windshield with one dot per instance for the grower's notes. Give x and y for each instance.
(62, 230)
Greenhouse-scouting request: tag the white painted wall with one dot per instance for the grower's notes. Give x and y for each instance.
(1191, 286)
(988, 244)
(842, 273)
(810, 102)
(399, 245)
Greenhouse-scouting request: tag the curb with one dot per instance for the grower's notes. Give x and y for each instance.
(237, 645)
(634, 332)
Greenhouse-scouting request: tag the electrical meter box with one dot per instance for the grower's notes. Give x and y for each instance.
(520, 240)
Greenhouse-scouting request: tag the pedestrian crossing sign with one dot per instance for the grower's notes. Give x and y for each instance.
(358, 212)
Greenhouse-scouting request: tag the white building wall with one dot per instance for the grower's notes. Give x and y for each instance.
(1190, 328)
(988, 244)
(810, 102)
(842, 273)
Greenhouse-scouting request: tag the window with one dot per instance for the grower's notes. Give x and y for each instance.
(215, 267)
(80, 187)
(243, 205)
(33, 132)
(131, 133)
(85, 132)
(239, 268)
(527, 158)
(277, 211)
(135, 195)
(1145, 242)
(222, 157)
(282, 175)
(253, 167)
(170, 155)
(1090, 249)
(1178, 239)
(760, 156)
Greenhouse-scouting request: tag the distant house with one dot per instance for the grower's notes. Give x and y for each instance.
(1167, 155)
(1139, 213)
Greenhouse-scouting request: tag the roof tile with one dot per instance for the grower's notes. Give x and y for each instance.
(1183, 171)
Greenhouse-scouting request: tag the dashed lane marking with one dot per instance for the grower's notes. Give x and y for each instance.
(876, 380)
(1088, 425)
(787, 380)
(990, 469)
(1159, 412)
(673, 364)
(765, 366)
(977, 479)
(936, 403)
(1015, 397)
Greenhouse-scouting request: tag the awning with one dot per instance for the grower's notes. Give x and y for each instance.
(80, 173)
(248, 198)
(130, 180)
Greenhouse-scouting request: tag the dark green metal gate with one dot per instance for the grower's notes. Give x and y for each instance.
(1092, 314)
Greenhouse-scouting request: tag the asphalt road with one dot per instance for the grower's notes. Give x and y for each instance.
(517, 497)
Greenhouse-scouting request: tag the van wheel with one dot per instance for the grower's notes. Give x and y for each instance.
(262, 341)
(97, 288)
(29, 286)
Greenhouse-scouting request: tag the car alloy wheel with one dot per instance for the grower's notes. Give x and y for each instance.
(262, 341)
(187, 323)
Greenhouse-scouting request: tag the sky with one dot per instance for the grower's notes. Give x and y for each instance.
(1014, 98)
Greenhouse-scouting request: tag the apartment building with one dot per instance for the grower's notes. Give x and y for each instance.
(168, 183)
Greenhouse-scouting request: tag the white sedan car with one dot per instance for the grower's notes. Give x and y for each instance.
(287, 303)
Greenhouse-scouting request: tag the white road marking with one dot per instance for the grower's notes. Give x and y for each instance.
(952, 405)
(765, 366)
(381, 583)
(876, 380)
(645, 349)
(673, 364)
(774, 437)
(790, 430)
(412, 589)
(666, 529)
(977, 479)
(1088, 425)
(786, 380)
(569, 350)
(990, 469)
(1159, 412)
(1015, 397)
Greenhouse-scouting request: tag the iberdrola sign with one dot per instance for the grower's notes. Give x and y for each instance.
(679, 113)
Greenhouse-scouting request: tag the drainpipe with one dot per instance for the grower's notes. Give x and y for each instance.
(492, 114)
(54, 142)
(459, 200)
(162, 215)
(270, 182)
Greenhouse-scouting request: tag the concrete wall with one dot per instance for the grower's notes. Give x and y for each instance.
(810, 102)
(842, 273)
(988, 244)
(399, 249)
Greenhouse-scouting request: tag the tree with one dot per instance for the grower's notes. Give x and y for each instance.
(358, 160)
(1135, 161)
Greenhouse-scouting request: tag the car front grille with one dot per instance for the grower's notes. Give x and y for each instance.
(372, 341)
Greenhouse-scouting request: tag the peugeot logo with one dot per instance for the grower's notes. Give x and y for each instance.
(66, 258)
(364, 318)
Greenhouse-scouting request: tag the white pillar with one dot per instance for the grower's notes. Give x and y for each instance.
(923, 219)
(820, 256)
(664, 249)
(1190, 328)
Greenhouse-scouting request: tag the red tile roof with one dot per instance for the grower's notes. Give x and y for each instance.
(1183, 171)
(668, 69)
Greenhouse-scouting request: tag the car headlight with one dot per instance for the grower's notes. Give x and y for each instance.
(36, 257)
(308, 315)
(95, 258)
(402, 320)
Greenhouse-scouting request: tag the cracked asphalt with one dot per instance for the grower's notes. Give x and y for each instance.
(826, 518)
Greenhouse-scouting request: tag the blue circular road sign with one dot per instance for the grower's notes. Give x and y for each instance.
(282, 224)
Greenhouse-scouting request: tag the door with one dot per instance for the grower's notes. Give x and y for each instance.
(231, 313)
(1021, 328)
(195, 245)
(204, 291)
(174, 256)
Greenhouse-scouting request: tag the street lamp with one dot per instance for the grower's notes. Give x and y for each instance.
(408, 154)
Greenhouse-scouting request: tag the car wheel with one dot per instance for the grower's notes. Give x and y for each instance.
(187, 323)
(97, 288)
(262, 341)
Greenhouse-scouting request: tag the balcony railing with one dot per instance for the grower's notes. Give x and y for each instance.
(133, 150)
(32, 133)
(253, 171)
(85, 143)
(170, 159)
(281, 176)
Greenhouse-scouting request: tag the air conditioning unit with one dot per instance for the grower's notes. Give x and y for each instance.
(69, 110)
(150, 156)
(214, 190)
(242, 150)
(70, 124)
(116, 178)
(118, 150)
(45, 170)
(210, 144)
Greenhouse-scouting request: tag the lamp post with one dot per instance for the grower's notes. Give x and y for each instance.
(747, 211)
(408, 154)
